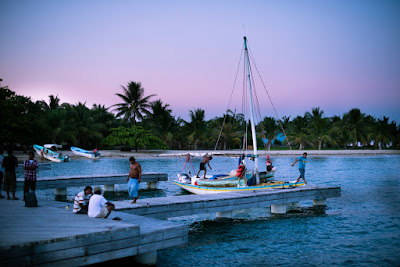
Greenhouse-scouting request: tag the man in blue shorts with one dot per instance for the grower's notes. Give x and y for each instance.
(302, 167)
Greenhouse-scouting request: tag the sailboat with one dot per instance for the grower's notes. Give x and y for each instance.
(249, 179)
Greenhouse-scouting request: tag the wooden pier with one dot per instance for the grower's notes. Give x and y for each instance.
(61, 183)
(224, 203)
(52, 235)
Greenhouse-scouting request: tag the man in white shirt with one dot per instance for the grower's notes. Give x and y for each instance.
(81, 201)
(99, 207)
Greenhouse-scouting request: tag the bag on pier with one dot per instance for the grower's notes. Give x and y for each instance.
(30, 199)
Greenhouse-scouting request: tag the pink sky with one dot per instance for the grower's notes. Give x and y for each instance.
(334, 54)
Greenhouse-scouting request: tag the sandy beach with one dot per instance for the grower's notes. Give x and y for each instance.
(174, 153)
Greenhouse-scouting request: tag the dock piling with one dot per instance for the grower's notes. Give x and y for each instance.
(109, 188)
(151, 185)
(278, 208)
(61, 193)
(224, 214)
(320, 202)
(149, 258)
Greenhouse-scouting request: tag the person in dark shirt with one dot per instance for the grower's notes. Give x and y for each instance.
(10, 179)
(1, 170)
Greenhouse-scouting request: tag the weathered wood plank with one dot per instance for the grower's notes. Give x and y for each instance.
(176, 206)
(83, 180)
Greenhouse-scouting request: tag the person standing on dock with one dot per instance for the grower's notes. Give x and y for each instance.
(1, 170)
(99, 207)
(206, 160)
(30, 166)
(134, 176)
(81, 202)
(10, 179)
(302, 166)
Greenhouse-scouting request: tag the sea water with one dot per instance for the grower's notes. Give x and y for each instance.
(360, 228)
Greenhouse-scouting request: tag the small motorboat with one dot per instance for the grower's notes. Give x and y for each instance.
(47, 153)
(85, 153)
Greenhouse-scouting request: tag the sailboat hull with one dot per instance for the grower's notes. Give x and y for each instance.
(202, 190)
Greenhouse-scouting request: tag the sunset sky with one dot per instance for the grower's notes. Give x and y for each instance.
(337, 55)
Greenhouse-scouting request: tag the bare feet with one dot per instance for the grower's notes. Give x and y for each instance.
(134, 200)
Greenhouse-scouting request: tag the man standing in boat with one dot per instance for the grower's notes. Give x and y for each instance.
(134, 176)
(206, 160)
(302, 166)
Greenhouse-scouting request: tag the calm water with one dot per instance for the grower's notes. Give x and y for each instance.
(361, 228)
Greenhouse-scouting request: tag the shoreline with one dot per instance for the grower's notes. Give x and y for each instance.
(220, 153)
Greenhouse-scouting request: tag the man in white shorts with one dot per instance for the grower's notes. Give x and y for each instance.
(99, 207)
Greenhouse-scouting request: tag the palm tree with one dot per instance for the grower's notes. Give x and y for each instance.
(54, 103)
(299, 132)
(160, 121)
(227, 129)
(197, 127)
(269, 127)
(380, 133)
(320, 126)
(135, 104)
(87, 130)
(102, 116)
(354, 124)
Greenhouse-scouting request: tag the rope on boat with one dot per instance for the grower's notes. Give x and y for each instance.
(270, 99)
(230, 99)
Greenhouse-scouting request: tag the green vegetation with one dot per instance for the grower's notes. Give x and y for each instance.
(140, 123)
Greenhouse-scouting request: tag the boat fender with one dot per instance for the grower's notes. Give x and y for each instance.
(240, 171)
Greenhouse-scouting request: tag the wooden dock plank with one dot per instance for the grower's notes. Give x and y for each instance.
(51, 235)
(83, 180)
(175, 206)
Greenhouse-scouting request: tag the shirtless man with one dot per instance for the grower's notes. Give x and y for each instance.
(206, 160)
(134, 176)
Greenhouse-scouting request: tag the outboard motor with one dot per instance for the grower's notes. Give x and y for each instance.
(184, 178)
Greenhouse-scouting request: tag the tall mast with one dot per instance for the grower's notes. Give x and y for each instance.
(253, 127)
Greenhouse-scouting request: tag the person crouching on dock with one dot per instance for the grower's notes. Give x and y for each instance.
(99, 207)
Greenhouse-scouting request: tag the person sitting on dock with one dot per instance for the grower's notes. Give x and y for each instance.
(302, 167)
(81, 202)
(206, 160)
(99, 207)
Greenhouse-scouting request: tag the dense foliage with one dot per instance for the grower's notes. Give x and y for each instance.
(140, 123)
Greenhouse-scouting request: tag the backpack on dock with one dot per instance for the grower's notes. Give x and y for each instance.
(30, 199)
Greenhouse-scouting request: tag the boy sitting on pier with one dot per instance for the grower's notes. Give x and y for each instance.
(99, 207)
(81, 202)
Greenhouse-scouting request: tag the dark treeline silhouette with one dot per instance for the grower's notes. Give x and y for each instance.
(25, 123)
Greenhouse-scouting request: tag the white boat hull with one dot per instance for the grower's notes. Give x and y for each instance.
(202, 190)
(50, 155)
(88, 155)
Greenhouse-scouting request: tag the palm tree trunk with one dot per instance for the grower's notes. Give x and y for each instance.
(319, 144)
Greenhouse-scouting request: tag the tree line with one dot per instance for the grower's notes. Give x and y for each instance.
(139, 122)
